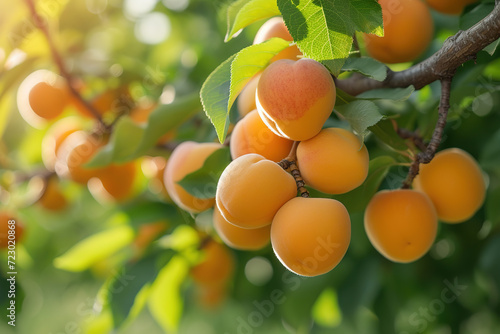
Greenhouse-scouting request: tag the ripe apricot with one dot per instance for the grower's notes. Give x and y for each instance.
(54, 138)
(275, 27)
(453, 7)
(52, 198)
(240, 238)
(401, 224)
(5, 227)
(251, 135)
(334, 161)
(454, 182)
(252, 189)
(216, 266)
(185, 159)
(147, 233)
(311, 235)
(114, 182)
(113, 100)
(295, 98)
(408, 31)
(246, 99)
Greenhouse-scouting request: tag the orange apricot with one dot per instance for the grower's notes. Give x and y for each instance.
(11, 230)
(54, 138)
(240, 238)
(334, 161)
(251, 135)
(453, 7)
(147, 233)
(295, 98)
(310, 236)
(246, 99)
(216, 266)
(188, 157)
(275, 27)
(408, 31)
(52, 198)
(252, 189)
(114, 182)
(401, 224)
(454, 182)
(113, 100)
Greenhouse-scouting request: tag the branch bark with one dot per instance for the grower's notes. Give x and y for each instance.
(456, 50)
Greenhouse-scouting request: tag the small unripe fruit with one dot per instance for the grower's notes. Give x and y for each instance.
(216, 267)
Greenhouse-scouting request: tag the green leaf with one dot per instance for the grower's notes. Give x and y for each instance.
(384, 130)
(165, 302)
(323, 29)
(357, 199)
(326, 311)
(360, 115)
(491, 205)
(95, 248)
(395, 94)
(224, 84)
(203, 182)
(490, 155)
(366, 66)
(139, 213)
(242, 13)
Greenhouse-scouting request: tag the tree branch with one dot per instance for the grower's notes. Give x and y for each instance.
(290, 165)
(456, 50)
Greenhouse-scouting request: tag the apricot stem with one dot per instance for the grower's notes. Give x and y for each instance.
(290, 165)
(41, 25)
(426, 156)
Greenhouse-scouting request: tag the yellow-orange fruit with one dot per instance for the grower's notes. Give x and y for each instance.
(52, 198)
(114, 182)
(240, 238)
(311, 235)
(276, 27)
(408, 31)
(454, 182)
(140, 115)
(251, 135)
(185, 159)
(401, 224)
(55, 137)
(246, 99)
(76, 150)
(10, 232)
(334, 161)
(147, 233)
(113, 100)
(211, 297)
(295, 98)
(453, 7)
(252, 189)
(216, 267)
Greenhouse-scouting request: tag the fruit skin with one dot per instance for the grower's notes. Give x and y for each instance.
(453, 7)
(147, 233)
(454, 182)
(55, 136)
(188, 157)
(310, 236)
(52, 198)
(408, 31)
(246, 99)
(252, 189)
(240, 238)
(251, 135)
(334, 161)
(4, 229)
(401, 224)
(216, 267)
(275, 27)
(294, 99)
(115, 182)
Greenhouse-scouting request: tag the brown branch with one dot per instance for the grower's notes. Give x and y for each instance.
(290, 165)
(456, 50)
(416, 139)
(426, 156)
(40, 24)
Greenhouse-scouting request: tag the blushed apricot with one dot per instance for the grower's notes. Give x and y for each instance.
(251, 135)
(14, 230)
(52, 198)
(240, 238)
(453, 7)
(454, 182)
(54, 138)
(246, 99)
(275, 27)
(114, 182)
(185, 159)
(295, 98)
(401, 224)
(216, 266)
(252, 189)
(310, 236)
(408, 31)
(334, 161)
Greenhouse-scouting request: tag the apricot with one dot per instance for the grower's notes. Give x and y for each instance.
(453, 7)
(240, 238)
(54, 138)
(251, 135)
(408, 31)
(211, 297)
(113, 100)
(295, 98)
(310, 236)
(52, 198)
(185, 159)
(114, 182)
(454, 182)
(334, 161)
(246, 99)
(147, 233)
(216, 266)
(275, 27)
(5, 227)
(252, 189)
(401, 224)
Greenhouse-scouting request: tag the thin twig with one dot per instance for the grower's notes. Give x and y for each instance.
(290, 165)
(416, 139)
